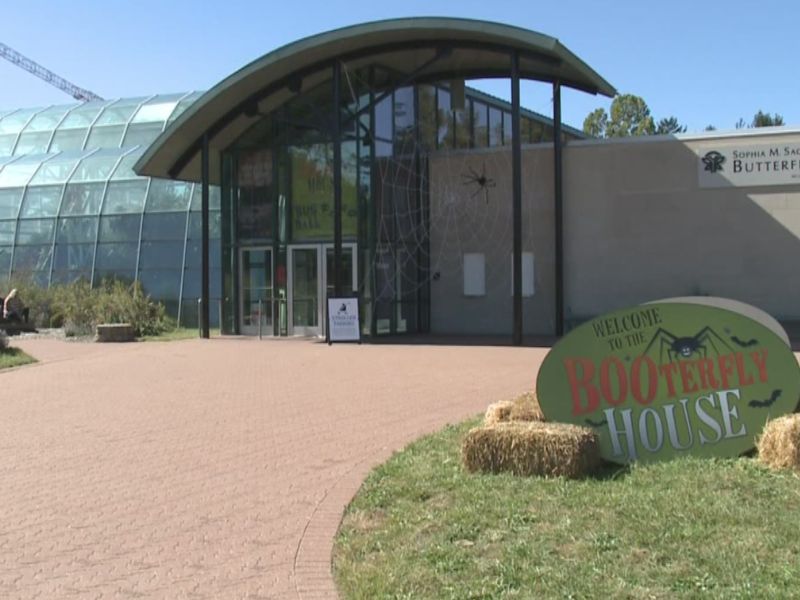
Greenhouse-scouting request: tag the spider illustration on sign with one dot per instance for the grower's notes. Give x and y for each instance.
(481, 182)
(682, 348)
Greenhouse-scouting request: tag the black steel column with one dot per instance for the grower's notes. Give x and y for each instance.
(204, 292)
(516, 181)
(337, 179)
(559, 198)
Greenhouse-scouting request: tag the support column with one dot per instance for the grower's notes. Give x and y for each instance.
(337, 179)
(204, 292)
(516, 179)
(559, 216)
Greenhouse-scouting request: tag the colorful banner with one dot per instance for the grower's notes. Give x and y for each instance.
(669, 379)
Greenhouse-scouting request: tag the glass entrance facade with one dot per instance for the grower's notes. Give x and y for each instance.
(278, 192)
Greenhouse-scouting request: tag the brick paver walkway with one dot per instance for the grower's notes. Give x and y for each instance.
(211, 469)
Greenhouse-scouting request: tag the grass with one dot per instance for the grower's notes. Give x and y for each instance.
(421, 527)
(14, 357)
(179, 333)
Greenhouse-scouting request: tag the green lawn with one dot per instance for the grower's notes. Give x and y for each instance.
(180, 333)
(421, 527)
(14, 357)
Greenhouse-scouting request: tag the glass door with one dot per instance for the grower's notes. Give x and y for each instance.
(347, 272)
(257, 291)
(305, 302)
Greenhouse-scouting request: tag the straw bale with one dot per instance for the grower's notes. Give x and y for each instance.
(779, 444)
(531, 448)
(522, 408)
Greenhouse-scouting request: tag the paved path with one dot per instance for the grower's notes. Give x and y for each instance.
(211, 469)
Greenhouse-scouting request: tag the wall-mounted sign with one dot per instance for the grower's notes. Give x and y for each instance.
(670, 378)
(739, 165)
(343, 324)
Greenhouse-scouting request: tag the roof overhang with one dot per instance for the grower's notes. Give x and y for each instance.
(430, 48)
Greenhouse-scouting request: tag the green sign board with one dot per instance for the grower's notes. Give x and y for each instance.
(671, 378)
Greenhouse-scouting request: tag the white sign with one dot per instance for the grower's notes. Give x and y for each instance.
(727, 165)
(343, 325)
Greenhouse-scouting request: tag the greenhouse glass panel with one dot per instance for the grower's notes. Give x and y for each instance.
(48, 119)
(10, 200)
(183, 105)
(7, 141)
(73, 257)
(495, 126)
(165, 195)
(7, 231)
(164, 226)
(30, 259)
(124, 275)
(35, 231)
(108, 136)
(82, 198)
(214, 197)
(65, 277)
(161, 255)
(56, 170)
(96, 167)
(196, 224)
(18, 173)
(124, 169)
(192, 279)
(445, 119)
(119, 113)
(41, 201)
(68, 140)
(76, 230)
(161, 284)
(125, 196)
(120, 229)
(82, 116)
(14, 122)
(157, 109)
(142, 134)
(5, 260)
(116, 257)
(480, 121)
(33, 143)
(194, 255)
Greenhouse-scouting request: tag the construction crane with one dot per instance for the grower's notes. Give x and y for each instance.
(23, 62)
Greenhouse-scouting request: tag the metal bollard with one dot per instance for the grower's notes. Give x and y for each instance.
(219, 316)
(260, 316)
(200, 317)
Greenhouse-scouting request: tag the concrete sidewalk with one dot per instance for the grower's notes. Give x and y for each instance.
(212, 469)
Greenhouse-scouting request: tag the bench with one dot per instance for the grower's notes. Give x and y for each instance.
(115, 332)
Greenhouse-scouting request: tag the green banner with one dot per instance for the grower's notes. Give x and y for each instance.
(669, 379)
(312, 194)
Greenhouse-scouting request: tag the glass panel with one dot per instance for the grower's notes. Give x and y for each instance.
(82, 116)
(117, 257)
(105, 137)
(124, 169)
(165, 195)
(64, 277)
(68, 139)
(18, 173)
(445, 119)
(480, 120)
(304, 287)
(125, 196)
(191, 285)
(404, 122)
(142, 133)
(213, 197)
(183, 105)
(495, 126)
(194, 255)
(345, 271)
(5, 260)
(255, 195)
(82, 198)
(33, 143)
(9, 202)
(56, 170)
(164, 226)
(14, 122)
(125, 275)
(161, 284)
(120, 229)
(28, 259)
(7, 142)
(73, 257)
(7, 231)
(427, 117)
(35, 231)
(161, 255)
(507, 129)
(96, 167)
(41, 201)
(120, 112)
(48, 118)
(214, 225)
(76, 230)
(154, 111)
(463, 124)
(257, 285)
(384, 119)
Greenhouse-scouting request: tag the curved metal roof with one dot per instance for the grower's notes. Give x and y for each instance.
(430, 48)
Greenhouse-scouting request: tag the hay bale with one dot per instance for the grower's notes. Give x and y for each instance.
(522, 408)
(779, 444)
(532, 448)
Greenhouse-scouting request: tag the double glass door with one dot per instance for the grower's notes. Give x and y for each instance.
(309, 282)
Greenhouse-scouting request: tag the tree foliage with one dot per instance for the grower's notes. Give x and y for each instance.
(669, 126)
(629, 115)
(762, 119)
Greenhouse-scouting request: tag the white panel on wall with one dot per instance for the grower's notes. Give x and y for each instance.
(474, 274)
(527, 275)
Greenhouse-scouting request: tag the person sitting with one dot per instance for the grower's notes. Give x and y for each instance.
(13, 310)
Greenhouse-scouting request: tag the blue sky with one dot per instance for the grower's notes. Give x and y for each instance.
(703, 62)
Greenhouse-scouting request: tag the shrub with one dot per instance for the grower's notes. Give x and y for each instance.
(3, 340)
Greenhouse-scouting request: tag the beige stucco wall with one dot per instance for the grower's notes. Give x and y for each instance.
(637, 227)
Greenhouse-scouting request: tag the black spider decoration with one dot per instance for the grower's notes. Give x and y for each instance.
(480, 180)
(675, 348)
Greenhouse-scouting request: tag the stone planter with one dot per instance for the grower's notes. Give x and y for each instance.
(115, 332)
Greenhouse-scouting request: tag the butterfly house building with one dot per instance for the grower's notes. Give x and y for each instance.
(359, 163)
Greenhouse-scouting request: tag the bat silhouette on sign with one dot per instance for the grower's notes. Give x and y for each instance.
(744, 344)
(598, 424)
(765, 403)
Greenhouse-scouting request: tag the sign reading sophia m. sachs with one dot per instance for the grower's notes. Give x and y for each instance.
(725, 165)
(343, 322)
(669, 379)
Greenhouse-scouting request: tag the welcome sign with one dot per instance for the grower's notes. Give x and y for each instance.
(668, 379)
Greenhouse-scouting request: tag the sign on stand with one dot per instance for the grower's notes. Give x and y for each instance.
(343, 323)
